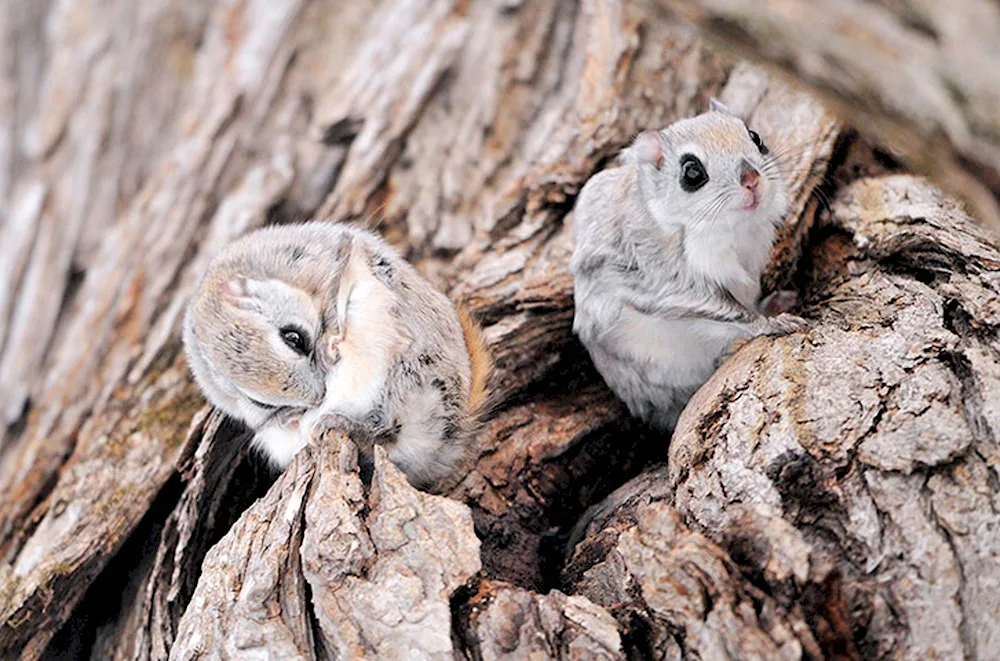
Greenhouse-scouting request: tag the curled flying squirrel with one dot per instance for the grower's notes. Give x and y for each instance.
(668, 252)
(296, 327)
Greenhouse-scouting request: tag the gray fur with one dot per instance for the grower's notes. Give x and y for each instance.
(665, 279)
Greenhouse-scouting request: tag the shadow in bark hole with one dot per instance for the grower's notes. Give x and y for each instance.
(123, 576)
(526, 544)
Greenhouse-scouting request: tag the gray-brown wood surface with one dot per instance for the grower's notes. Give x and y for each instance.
(830, 494)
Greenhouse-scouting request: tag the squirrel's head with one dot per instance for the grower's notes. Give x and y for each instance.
(709, 171)
(251, 344)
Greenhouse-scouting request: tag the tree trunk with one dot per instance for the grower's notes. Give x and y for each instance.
(808, 507)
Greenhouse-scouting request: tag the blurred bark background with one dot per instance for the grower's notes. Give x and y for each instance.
(828, 495)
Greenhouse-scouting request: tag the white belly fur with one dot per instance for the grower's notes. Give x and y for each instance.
(279, 443)
(678, 353)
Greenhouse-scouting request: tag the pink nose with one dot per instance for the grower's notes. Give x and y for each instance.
(750, 179)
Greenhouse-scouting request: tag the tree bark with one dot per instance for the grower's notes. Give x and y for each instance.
(134, 524)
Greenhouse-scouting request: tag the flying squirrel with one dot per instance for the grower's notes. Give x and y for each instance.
(668, 252)
(296, 328)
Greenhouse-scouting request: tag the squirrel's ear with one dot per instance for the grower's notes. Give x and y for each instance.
(714, 105)
(647, 149)
(237, 293)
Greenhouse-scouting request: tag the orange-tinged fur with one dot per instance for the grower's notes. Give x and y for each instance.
(480, 360)
(721, 139)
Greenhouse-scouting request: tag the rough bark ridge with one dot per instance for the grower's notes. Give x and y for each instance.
(162, 129)
(317, 565)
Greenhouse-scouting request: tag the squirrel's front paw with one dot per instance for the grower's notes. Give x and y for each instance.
(783, 324)
(330, 421)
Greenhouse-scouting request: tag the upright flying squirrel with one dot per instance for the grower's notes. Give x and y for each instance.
(668, 252)
(296, 326)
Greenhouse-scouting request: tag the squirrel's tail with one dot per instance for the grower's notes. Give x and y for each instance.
(481, 362)
(479, 406)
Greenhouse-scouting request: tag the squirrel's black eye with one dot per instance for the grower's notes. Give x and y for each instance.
(296, 339)
(693, 175)
(761, 147)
